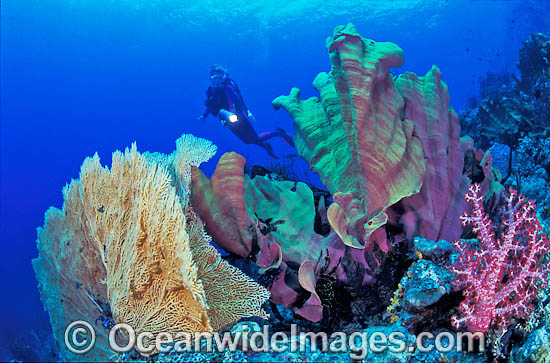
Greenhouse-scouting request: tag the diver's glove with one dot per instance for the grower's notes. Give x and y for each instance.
(223, 122)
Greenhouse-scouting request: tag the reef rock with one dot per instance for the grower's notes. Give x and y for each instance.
(431, 250)
(424, 284)
(536, 348)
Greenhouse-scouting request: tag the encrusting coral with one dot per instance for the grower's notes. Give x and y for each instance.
(126, 246)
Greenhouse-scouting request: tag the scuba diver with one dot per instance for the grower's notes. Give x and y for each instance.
(225, 101)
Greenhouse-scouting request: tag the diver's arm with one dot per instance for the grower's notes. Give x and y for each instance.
(204, 114)
(209, 96)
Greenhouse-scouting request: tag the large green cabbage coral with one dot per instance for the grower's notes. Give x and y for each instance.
(355, 136)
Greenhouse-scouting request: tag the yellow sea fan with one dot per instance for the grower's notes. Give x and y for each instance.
(126, 239)
(231, 295)
(151, 280)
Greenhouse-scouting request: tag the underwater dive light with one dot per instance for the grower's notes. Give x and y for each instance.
(228, 116)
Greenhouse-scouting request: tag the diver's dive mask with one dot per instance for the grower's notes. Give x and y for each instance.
(217, 78)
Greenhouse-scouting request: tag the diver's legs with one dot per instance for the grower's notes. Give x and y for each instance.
(288, 139)
(280, 132)
(267, 146)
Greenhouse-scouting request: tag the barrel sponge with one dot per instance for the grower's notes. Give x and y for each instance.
(127, 244)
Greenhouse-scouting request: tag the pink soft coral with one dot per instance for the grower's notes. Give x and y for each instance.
(501, 278)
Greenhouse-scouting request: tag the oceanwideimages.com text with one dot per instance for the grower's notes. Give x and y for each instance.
(80, 338)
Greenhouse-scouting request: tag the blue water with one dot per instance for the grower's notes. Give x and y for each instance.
(80, 76)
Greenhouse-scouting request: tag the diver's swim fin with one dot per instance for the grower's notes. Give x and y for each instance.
(267, 146)
(288, 139)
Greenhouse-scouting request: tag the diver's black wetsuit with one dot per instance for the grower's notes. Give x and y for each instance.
(227, 96)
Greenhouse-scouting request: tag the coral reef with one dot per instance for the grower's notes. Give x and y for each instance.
(424, 295)
(504, 119)
(512, 121)
(360, 350)
(126, 247)
(369, 254)
(536, 346)
(511, 110)
(433, 251)
(426, 285)
(534, 61)
(362, 104)
(530, 172)
(384, 148)
(535, 349)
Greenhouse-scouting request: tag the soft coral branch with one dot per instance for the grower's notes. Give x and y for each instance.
(500, 278)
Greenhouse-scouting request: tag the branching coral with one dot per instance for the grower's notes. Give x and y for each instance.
(125, 239)
(502, 277)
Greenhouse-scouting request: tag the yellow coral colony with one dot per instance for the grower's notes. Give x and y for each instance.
(128, 237)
